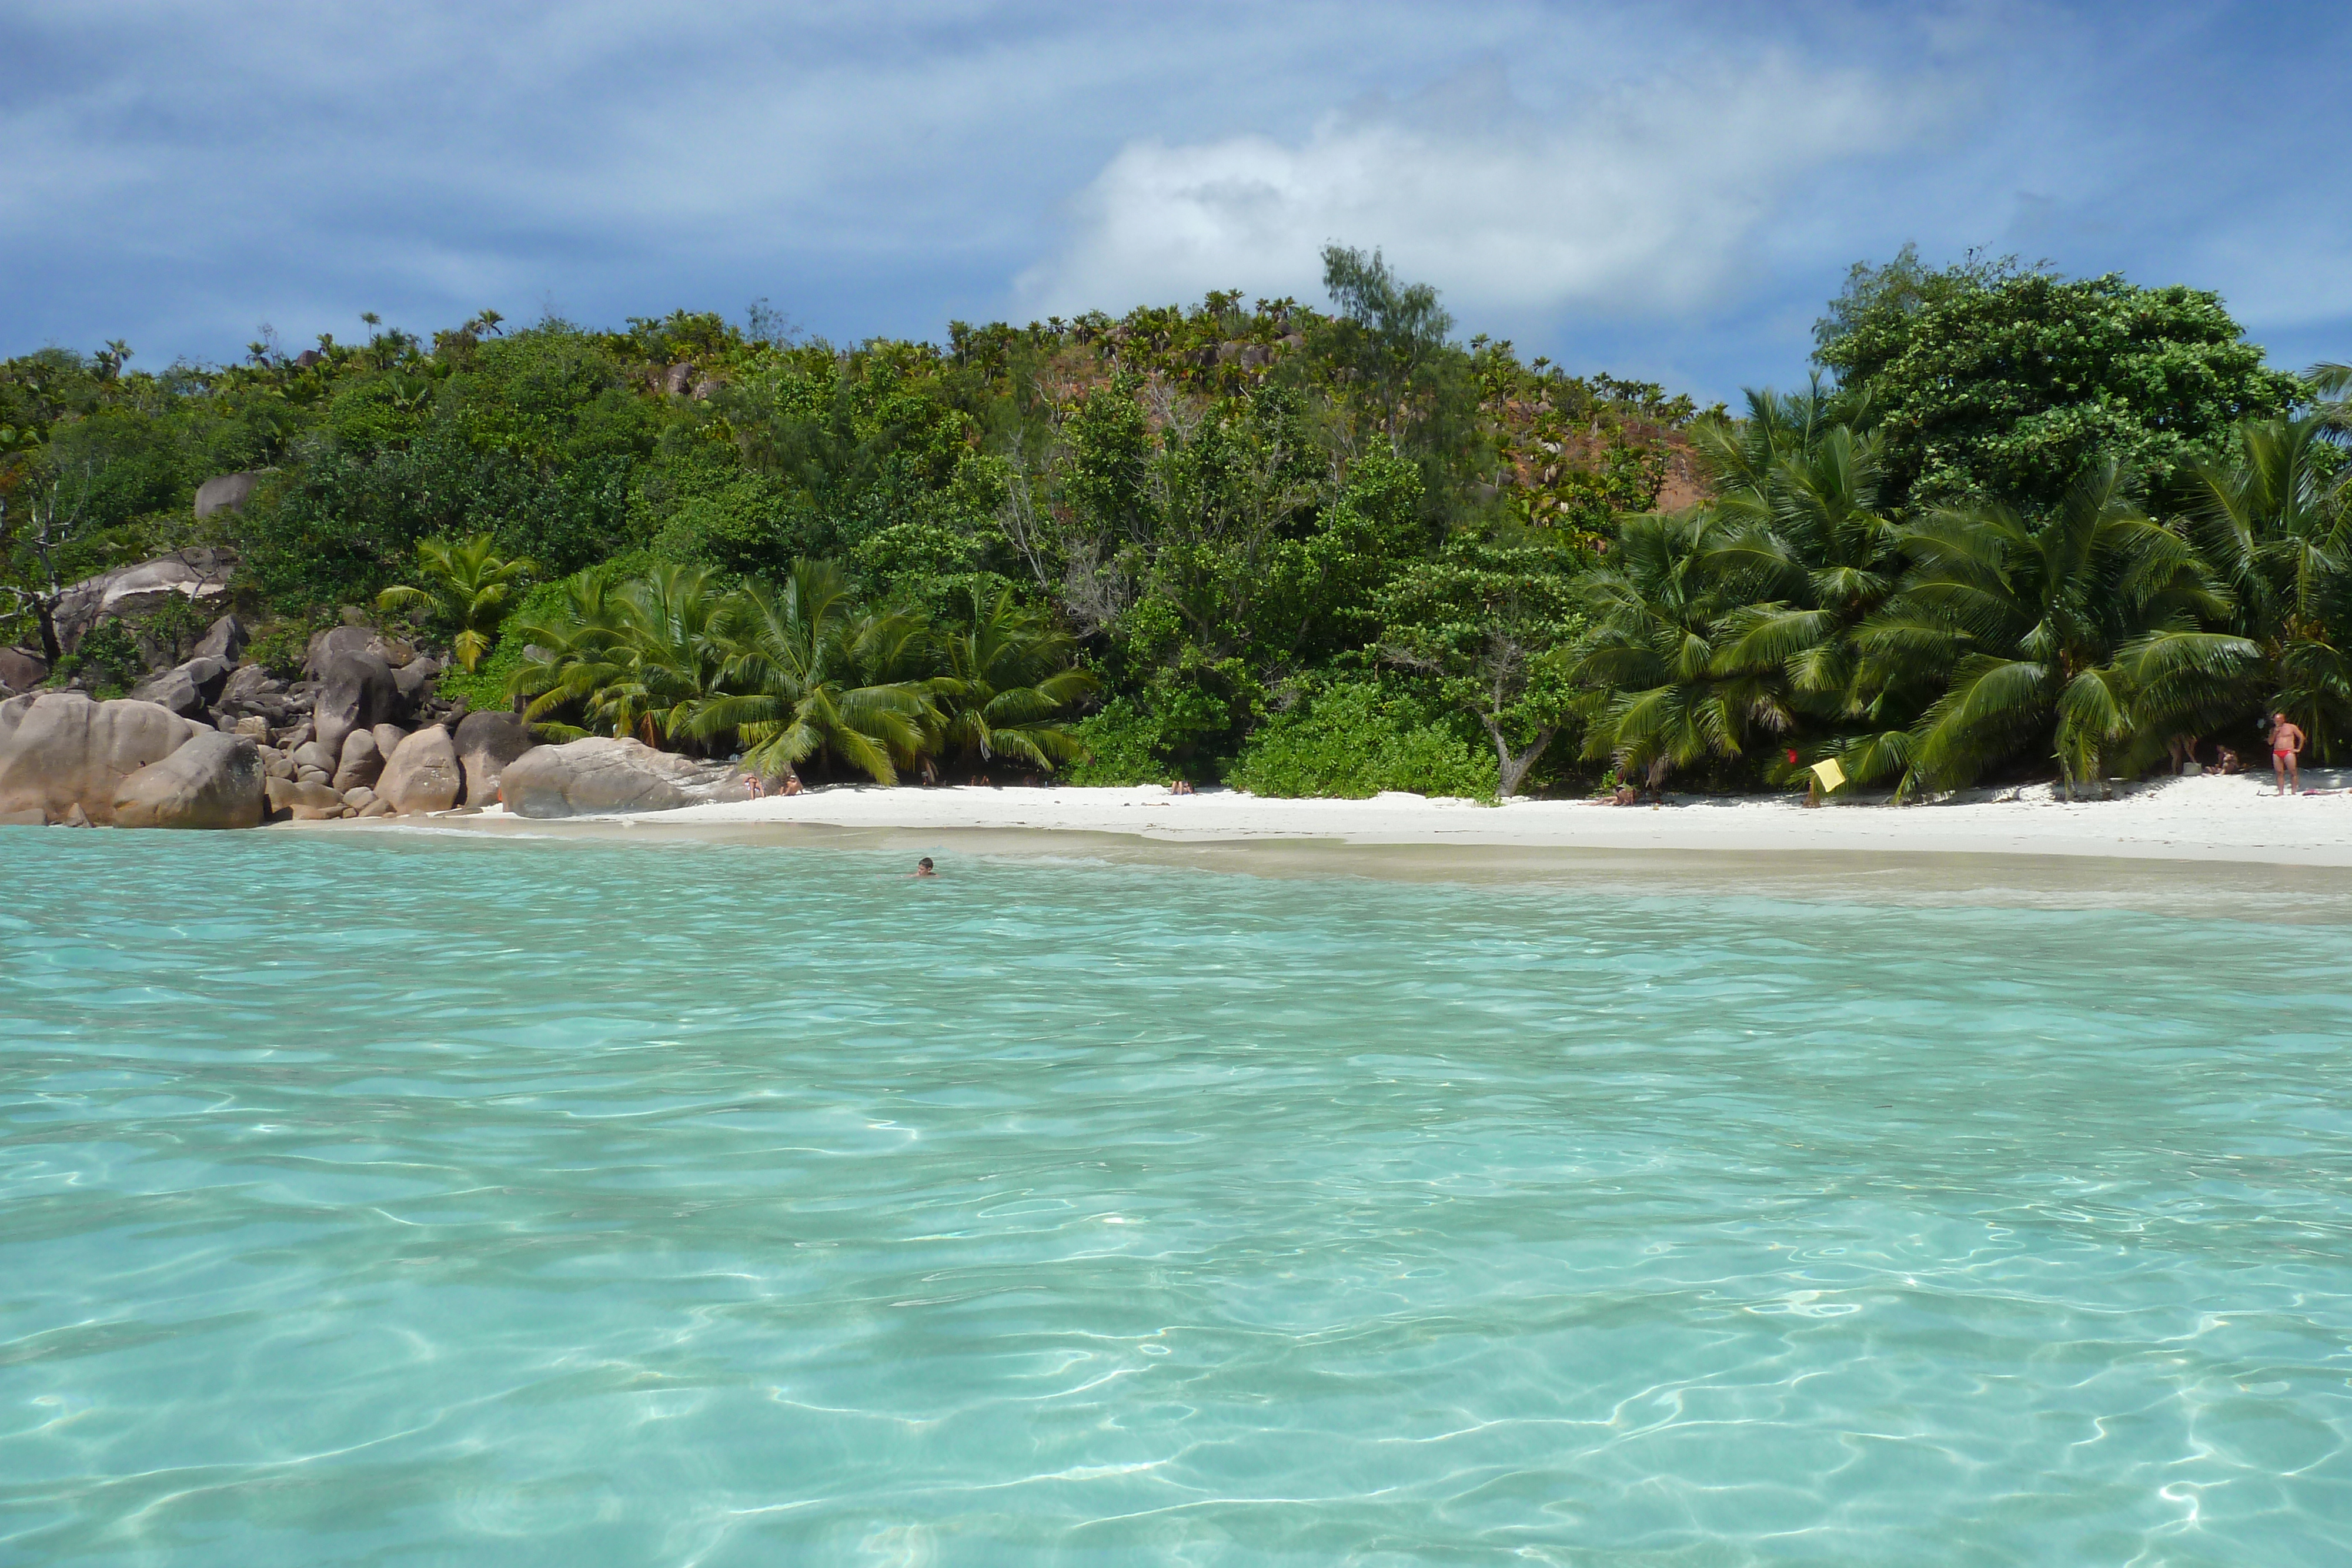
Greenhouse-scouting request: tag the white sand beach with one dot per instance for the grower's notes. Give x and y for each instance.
(2213, 818)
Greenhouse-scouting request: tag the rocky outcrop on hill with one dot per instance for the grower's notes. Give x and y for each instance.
(224, 639)
(21, 669)
(596, 776)
(212, 780)
(65, 756)
(225, 493)
(201, 574)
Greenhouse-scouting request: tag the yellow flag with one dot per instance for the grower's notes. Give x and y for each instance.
(1829, 773)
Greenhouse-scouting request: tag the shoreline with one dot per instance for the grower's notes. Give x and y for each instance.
(2232, 819)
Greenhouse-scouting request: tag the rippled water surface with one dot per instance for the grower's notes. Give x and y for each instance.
(430, 1201)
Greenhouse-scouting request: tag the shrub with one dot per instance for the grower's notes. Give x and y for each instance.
(281, 649)
(106, 658)
(1353, 739)
(1124, 746)
(484, 686)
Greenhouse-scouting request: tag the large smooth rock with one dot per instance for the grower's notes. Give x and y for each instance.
(252, 691)
(187, 689)
(423, 774)
(224, 639)
(21, 670)
(324, 645)
(414, 677)
(355, 692)
(592, 777)
(60, 752)
(314, 754)
(485, 743)
(212, 781)
(303, 802)
(361, 762)
(225, 493)
(201, 574)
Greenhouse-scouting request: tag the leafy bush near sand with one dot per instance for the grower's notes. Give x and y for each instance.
(1124, 747)
(488, 684)
(1354, 739)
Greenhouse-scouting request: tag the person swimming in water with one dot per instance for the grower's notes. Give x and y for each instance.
(924, 868)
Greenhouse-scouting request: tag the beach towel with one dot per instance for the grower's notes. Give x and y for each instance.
(1829, 773)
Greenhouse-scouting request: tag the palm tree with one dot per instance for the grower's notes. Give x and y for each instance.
(574, 654)
(1807, 548)
(1008, 674)
(2275, 525)
(466, 589)
(809, 670)
(634, 657)
(1663, 694)
(1740, 454)
(669, 618)
(2052, 632)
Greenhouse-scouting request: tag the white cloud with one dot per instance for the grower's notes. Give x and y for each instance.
(1640, 199)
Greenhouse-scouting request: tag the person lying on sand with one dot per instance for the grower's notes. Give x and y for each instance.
(1182, 787)
(2286, 744)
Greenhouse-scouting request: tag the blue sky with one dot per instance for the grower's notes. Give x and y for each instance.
(1664, 190)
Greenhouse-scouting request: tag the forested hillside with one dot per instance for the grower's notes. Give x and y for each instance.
(2029, 524)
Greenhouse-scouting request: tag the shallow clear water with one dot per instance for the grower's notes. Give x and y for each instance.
(443, 1201)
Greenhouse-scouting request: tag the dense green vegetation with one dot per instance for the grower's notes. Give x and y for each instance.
(2028, 523)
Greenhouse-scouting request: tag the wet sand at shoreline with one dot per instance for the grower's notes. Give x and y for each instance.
(2232, 820)
(2195, 846)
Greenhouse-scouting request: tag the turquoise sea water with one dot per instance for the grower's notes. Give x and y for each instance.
(434, 1201)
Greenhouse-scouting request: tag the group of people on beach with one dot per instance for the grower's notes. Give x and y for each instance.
(2287, 742)
(790, 784)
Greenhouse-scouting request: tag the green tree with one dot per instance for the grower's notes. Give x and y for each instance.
(467, 592)
(45, 541)
(792, 687)
(1807, 552)
(2053, 632)
(1009, 674)
(1389, 335)
(2274, 524)
(577, 657)
(1663, 689)
(1997, 384)
(1490, 628)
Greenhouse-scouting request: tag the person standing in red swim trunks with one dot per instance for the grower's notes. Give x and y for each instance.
(2286, 743)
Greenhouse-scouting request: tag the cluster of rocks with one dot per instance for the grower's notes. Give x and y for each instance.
(216, 741)
(66, 760)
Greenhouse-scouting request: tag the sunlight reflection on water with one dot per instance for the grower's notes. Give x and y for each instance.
(424, 1200)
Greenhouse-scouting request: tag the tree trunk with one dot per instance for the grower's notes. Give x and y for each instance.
(1510, 769)
(45, 613)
